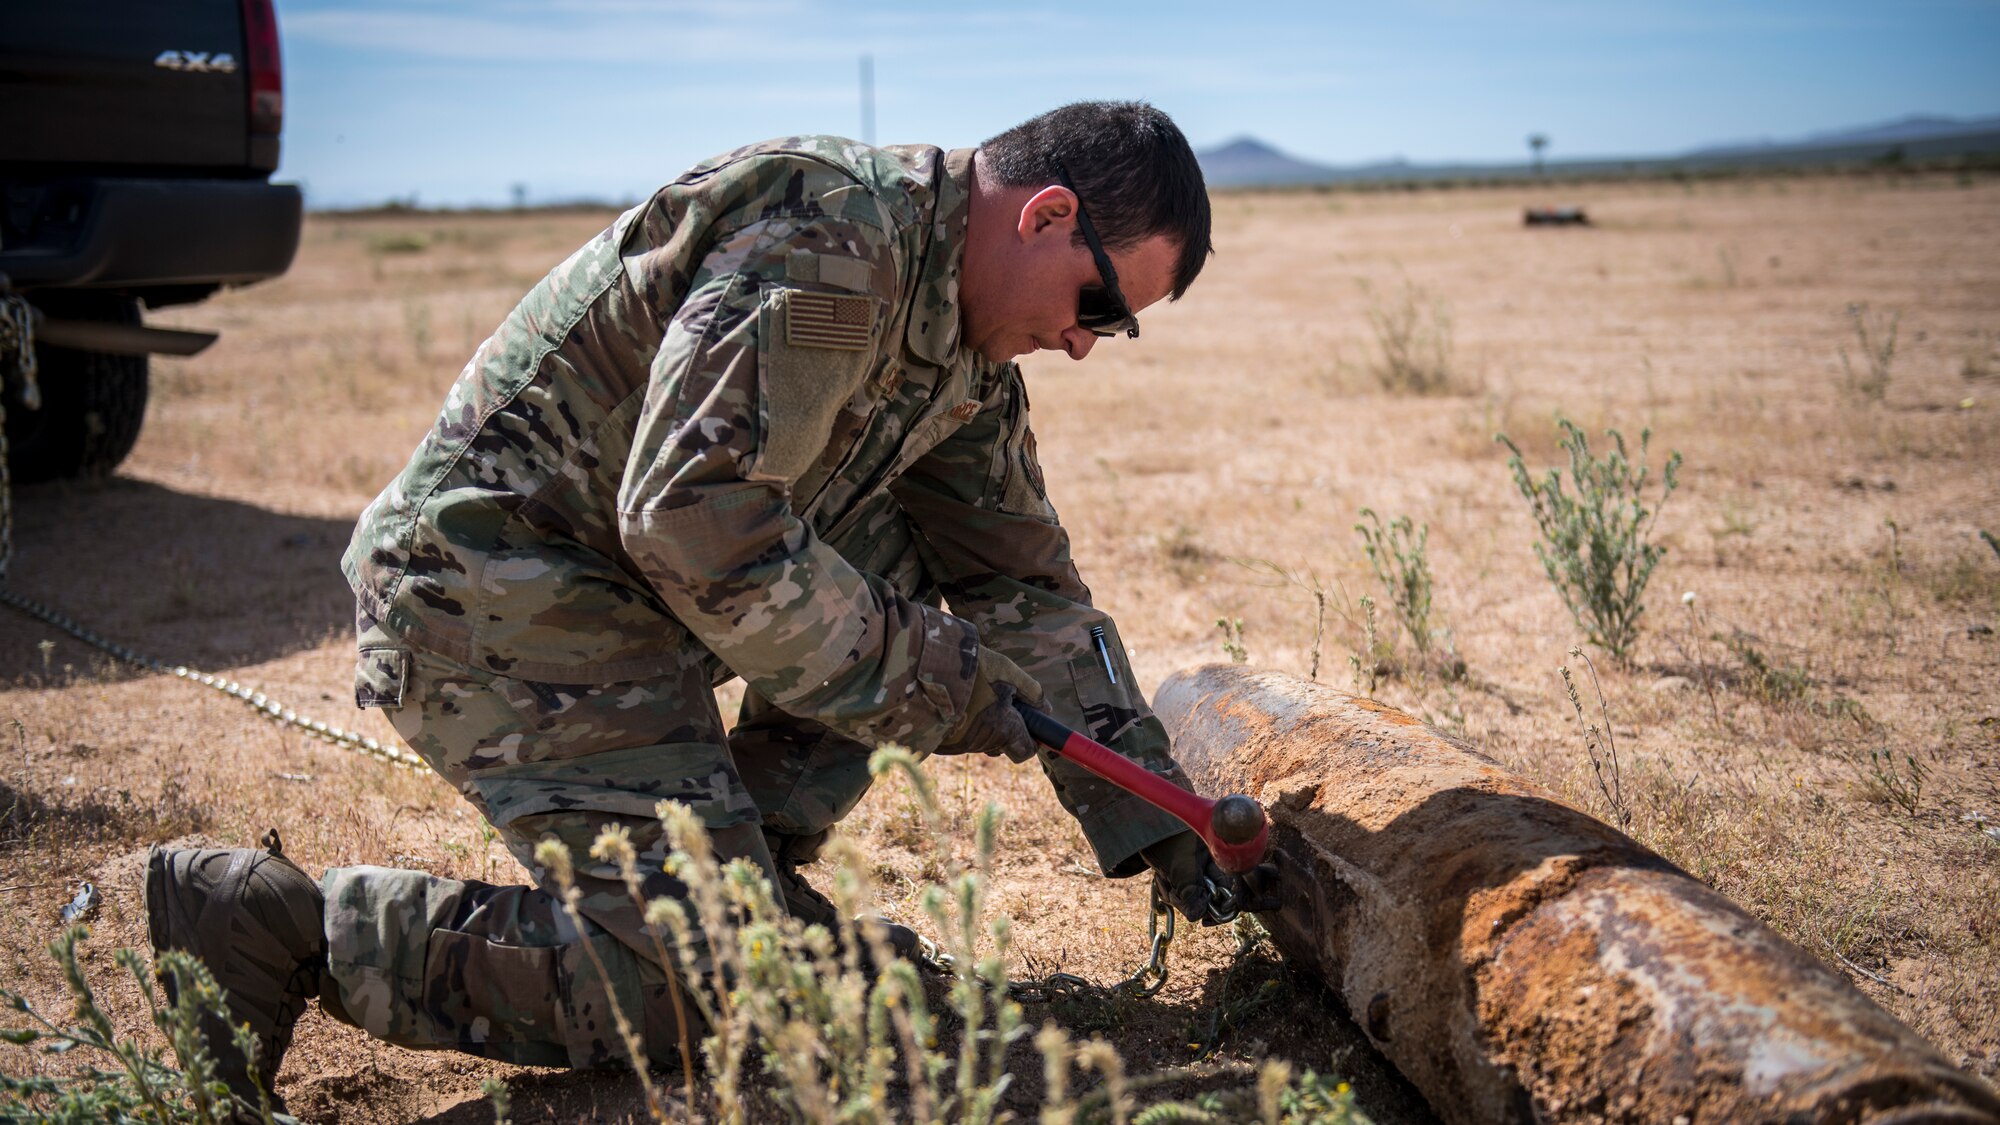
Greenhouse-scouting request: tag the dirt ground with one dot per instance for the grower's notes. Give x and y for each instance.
(1816, 734)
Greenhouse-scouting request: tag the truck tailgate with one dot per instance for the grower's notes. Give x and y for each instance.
(163, 85)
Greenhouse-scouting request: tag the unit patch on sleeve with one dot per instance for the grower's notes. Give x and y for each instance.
(828, 320)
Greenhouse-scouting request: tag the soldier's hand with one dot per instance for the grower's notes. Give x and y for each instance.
(1200, 890)
(990, 724)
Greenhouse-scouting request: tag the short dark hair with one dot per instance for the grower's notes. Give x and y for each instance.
(1132, 168)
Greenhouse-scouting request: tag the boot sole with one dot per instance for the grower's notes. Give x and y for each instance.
(153, 898)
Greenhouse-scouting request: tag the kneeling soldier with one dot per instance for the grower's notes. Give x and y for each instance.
(764, 426)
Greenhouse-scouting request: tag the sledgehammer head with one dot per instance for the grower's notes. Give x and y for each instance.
(1238, 833)
(1237, 819)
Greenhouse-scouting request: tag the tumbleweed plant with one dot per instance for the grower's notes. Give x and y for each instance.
(1595, 534)
(1414, 335)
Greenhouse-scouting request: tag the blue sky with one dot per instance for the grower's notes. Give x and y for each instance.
(456, 100)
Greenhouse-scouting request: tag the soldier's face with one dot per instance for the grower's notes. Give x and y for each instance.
(1022, 296)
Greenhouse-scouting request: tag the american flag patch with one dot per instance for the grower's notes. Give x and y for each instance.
(828, 320)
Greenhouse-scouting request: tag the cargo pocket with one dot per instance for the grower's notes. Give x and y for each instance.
(590, 1027)
(380, 675)
(1106, 701)
(497, 1001)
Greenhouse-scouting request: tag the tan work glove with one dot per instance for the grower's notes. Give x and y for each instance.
(990, 724)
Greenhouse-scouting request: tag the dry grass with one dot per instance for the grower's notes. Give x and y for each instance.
(1245, 426)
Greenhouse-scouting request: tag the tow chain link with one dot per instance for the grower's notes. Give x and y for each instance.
(17, 362)
(18, 368)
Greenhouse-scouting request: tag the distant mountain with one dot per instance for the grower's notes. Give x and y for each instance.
(1916, 127)
(1249, 162)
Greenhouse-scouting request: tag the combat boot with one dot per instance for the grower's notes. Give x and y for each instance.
(258, 923)
(804, 902)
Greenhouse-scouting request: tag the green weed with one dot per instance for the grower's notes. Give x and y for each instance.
(1398, 555)
(1768, 682)
(1232, 639)
(1899, 783)
(1594, 541)
(1779, 685)
(140, 1086)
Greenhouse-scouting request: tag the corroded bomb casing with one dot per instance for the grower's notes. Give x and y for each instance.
(1519, 960)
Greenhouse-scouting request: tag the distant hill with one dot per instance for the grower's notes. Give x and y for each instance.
(1916, 127)
(1249, 162)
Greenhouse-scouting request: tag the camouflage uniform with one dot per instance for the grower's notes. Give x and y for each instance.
(734, 435)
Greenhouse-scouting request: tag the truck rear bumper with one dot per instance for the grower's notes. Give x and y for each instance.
(128, 233)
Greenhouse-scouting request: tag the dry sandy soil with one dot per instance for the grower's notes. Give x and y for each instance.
(1826, 535)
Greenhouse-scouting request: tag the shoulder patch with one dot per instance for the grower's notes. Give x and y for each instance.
(828, 320)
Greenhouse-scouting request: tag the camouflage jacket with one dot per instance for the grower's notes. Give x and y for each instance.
(737, 429)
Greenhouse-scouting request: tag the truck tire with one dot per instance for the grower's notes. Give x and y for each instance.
(92, 402)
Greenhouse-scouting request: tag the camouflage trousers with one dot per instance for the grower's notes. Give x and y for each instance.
(501, 971)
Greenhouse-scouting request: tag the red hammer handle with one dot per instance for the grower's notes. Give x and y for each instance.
(1193, 809)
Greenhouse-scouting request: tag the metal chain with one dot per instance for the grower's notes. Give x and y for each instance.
(249, 696)
(17, 362)
(1148, 979)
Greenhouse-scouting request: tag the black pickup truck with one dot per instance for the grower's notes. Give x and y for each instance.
(137, 142)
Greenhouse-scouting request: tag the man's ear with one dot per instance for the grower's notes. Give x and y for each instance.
(1050, 210)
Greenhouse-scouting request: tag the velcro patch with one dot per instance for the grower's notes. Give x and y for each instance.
(851, 274)
(828, 320)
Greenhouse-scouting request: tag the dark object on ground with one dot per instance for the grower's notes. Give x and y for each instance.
(1519, 960)
(1555, 217)
(135, 161)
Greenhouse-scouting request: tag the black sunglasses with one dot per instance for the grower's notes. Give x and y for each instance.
(1099, 311)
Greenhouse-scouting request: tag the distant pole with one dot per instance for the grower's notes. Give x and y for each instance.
(867, 99)
(1536, 143)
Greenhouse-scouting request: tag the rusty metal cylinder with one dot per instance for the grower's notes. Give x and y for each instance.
(1519, 960)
